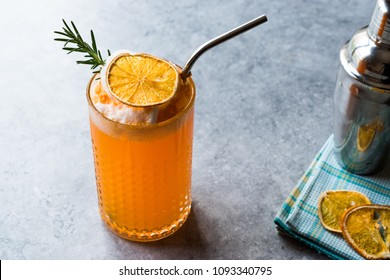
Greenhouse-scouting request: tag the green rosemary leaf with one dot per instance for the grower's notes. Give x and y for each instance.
(62, 39)
(66, 25)
(72, 49)
(85, 62)
(70, 36)
(77, 32)
(68, 32)
(61, 33)
(93, 42)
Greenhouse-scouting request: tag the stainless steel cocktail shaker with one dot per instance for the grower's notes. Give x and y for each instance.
(362, 96)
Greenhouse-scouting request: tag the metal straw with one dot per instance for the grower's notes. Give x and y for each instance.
(218, 40)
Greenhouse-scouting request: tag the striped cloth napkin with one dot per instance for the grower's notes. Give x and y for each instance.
(298, 216)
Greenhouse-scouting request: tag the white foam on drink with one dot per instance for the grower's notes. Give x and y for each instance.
(120, 112)
(125, 115)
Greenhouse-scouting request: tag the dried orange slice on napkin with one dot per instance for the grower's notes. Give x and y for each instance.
(333, 204)
(367, 229)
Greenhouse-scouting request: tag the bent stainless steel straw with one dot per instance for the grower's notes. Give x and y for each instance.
(220, 39)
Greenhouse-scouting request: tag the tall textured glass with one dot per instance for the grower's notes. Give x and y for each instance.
(143, 172)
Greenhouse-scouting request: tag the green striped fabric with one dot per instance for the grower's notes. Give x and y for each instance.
(298, 216)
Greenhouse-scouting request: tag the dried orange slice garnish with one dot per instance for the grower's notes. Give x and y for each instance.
(367, 229)
(139, 80)
(333, 204)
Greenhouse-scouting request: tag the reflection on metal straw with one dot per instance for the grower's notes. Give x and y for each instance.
(218, 40)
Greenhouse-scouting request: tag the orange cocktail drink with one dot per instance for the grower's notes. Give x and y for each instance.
(141, 111)
(143, 171)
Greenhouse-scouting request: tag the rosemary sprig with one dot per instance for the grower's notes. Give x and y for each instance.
(69, 36)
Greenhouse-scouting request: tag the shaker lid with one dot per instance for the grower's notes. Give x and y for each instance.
(379, 28)
(367, 55)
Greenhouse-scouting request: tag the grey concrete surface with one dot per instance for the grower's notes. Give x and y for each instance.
(263, 110)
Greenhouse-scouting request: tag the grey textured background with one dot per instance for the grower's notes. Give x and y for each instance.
(263, 110)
